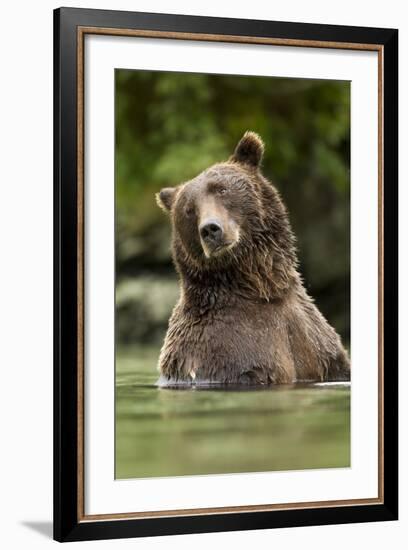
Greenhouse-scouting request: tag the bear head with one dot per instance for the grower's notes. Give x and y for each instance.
(229, 223)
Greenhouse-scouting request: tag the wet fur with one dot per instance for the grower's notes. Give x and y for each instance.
(244, 317)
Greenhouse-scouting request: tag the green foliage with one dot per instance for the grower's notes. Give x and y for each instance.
(170, 126)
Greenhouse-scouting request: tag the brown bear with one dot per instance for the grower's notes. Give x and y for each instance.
(244, 316)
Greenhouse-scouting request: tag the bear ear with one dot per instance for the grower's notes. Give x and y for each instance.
(165, 198)
(249, 150)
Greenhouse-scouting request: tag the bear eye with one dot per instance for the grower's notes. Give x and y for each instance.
(221, 190)
(189, 211)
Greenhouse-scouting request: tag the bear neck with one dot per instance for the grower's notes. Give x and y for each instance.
(205, 289)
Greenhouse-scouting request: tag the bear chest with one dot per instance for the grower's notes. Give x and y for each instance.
(231, 344)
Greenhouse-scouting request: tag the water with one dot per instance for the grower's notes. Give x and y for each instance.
(164, 432)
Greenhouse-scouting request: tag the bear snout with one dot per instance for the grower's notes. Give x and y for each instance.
(211, 231)
(217, 237)
(214, 238)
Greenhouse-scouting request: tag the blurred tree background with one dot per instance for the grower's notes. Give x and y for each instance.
(170, 126)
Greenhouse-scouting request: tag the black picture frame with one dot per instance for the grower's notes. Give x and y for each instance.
(67, 523)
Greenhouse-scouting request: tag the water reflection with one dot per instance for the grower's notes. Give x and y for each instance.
(200, 430)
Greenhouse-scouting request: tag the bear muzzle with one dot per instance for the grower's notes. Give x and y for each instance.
(215, 239)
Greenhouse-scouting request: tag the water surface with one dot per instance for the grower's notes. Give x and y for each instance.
(164, 432)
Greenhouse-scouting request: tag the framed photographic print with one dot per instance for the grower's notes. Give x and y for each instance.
(225, 274)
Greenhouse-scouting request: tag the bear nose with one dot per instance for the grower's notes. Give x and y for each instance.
(211, 231)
